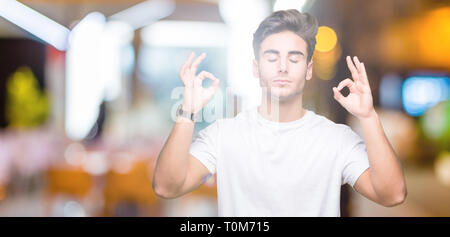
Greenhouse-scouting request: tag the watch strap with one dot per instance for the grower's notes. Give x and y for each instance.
(185, 114)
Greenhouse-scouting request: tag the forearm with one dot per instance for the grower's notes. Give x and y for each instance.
(385, 168)
(172, 164)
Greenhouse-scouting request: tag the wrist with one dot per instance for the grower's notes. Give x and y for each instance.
(370, 117)
(182, 112)
(189, 108)
(181, 119)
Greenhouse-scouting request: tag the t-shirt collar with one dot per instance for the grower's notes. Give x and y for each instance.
(281, 125)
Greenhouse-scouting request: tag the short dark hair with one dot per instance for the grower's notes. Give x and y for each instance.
(302, 24)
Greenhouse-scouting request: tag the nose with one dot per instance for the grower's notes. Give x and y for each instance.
(283, 65)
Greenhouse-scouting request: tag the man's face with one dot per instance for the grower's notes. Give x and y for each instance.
(283, 66)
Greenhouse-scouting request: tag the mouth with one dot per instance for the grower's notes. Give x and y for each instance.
(282, 81)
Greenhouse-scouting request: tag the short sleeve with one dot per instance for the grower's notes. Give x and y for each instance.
(354, 155)
(204, 146)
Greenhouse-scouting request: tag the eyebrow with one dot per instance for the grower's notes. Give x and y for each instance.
(277, 52)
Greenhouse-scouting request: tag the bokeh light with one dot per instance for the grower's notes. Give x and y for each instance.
(436, 123)
(326, 39)
(422, 92)
(326, 54)
(391, 91)
(442, 168)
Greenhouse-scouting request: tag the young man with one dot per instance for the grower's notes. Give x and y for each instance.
(279, 159)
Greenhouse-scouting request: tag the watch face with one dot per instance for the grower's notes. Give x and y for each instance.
(179, 111)
(185, 114)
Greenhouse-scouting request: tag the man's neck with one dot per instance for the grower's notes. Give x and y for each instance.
(281, 111)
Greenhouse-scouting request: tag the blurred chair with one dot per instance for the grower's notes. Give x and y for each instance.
(131, 190)
(68, 181)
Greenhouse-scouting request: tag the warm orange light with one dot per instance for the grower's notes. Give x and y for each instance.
(326, 39)
(433, 37)
(420, 42)
(325, 63)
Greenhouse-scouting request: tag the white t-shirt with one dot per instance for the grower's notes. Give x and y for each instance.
(266, 168)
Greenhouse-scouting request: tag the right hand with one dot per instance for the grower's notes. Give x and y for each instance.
(195, 96)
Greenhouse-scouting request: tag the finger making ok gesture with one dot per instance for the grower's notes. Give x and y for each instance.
(195, 95)
(359, 101)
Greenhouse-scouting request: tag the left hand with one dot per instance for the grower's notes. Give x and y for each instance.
(359, 102)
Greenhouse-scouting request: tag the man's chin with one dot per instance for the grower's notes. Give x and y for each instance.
(281, 96)
(280, 93)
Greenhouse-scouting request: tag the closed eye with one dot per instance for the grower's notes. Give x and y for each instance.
(274, 60)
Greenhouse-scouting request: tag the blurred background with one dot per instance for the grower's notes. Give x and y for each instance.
(88, 91)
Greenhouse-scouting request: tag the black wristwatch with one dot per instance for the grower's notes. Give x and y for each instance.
(189, 115)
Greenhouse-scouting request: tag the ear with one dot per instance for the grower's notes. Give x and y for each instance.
(255, 69)
(309, 70)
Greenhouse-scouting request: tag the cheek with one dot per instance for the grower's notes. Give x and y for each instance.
(298, 72)
(265, 74)
(268, 68)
